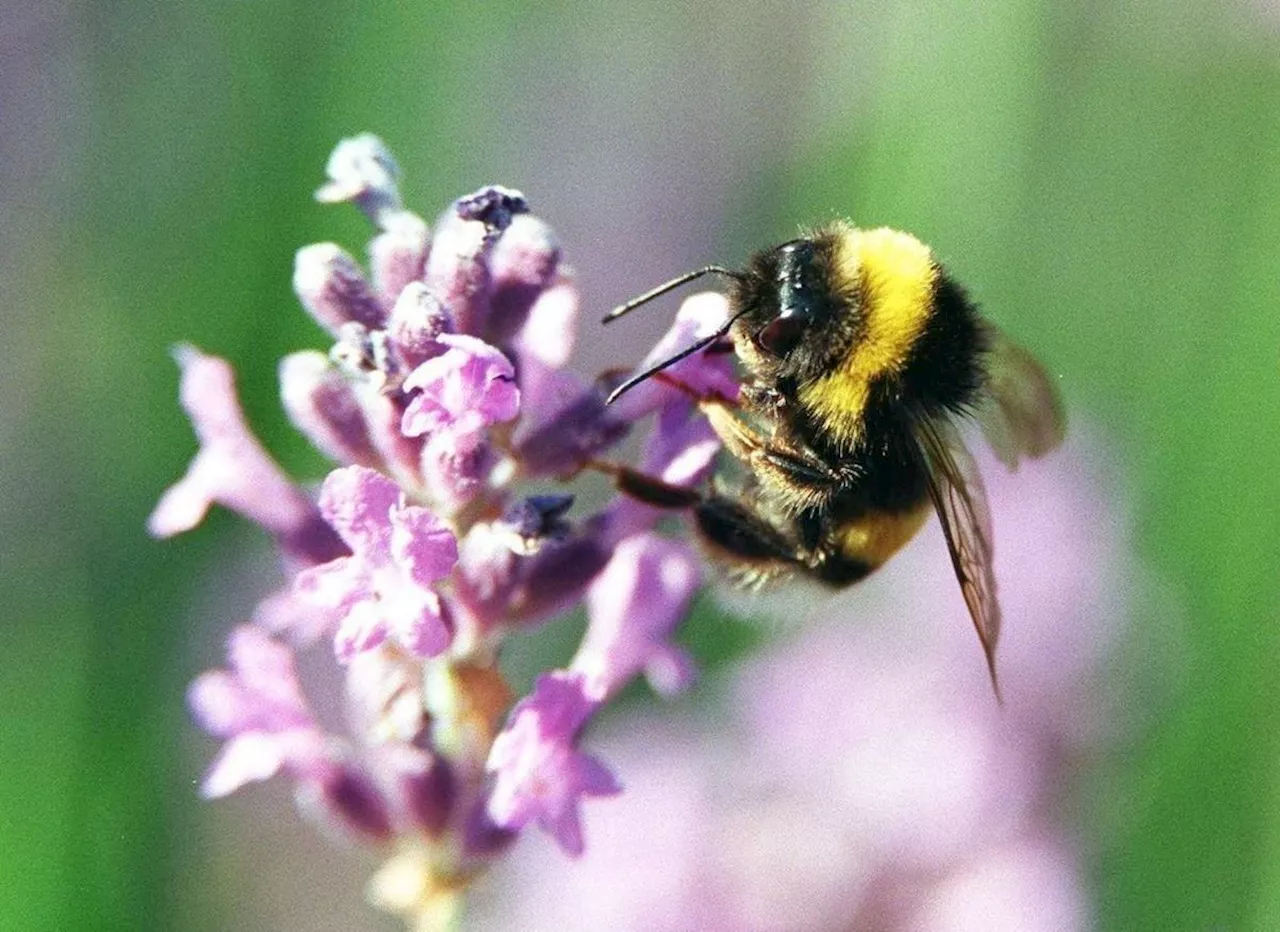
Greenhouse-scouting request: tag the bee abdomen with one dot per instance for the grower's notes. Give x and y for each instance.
(874, 536)
(840, 570)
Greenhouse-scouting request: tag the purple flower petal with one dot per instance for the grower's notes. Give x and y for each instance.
(417, 622)
(233, 470)
(707, 374)
(468, 388)
(247, 758)
(356, 501)
(300, 621)
(422, 544)
(539, 775)
(680, 450)
(258, 707)
(362, 629)
(384, 589)
(634, 607)
(335, 586)
(260, 691)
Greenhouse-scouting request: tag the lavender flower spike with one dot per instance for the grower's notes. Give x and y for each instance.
(449, 524)
(385, 588)
(234, 471)
(539, 775)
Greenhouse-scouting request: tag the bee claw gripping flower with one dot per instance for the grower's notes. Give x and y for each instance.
(443, 527)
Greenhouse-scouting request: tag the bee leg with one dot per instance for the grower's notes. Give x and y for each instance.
(799, 476)
(646, 488)
(758, 550)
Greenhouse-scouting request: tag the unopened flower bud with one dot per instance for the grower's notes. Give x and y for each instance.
(493, 205)
(398, 255)
(524, 264)
(550, 327)
(458, 273)
(483, 838)
(428, 791)
(322, 405)
(563, 440)
(534, 521)
(554, 579)
(343, 799)
(361, 170)
(416, 320)
(332, 288)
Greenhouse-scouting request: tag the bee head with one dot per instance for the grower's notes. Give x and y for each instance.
(795, 311)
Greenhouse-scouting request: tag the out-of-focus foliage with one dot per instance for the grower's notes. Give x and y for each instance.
(1103, 176)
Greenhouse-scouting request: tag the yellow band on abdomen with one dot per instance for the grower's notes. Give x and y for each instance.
(875, 537)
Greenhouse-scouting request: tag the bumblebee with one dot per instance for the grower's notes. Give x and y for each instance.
(859, 355)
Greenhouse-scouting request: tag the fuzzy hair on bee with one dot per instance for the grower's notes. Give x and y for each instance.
(859, 355)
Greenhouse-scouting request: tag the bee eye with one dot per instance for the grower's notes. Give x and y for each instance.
(781, 335)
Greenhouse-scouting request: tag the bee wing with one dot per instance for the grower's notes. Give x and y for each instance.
(1022, 414)
(955, 485)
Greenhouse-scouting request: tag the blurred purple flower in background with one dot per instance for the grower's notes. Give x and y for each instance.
(866, 778)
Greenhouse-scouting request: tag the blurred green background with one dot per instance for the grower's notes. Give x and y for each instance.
(1104, 176)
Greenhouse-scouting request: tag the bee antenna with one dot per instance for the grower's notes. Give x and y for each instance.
(668, 286)
(672, 360)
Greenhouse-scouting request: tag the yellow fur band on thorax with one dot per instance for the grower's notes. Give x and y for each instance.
(895, 275)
